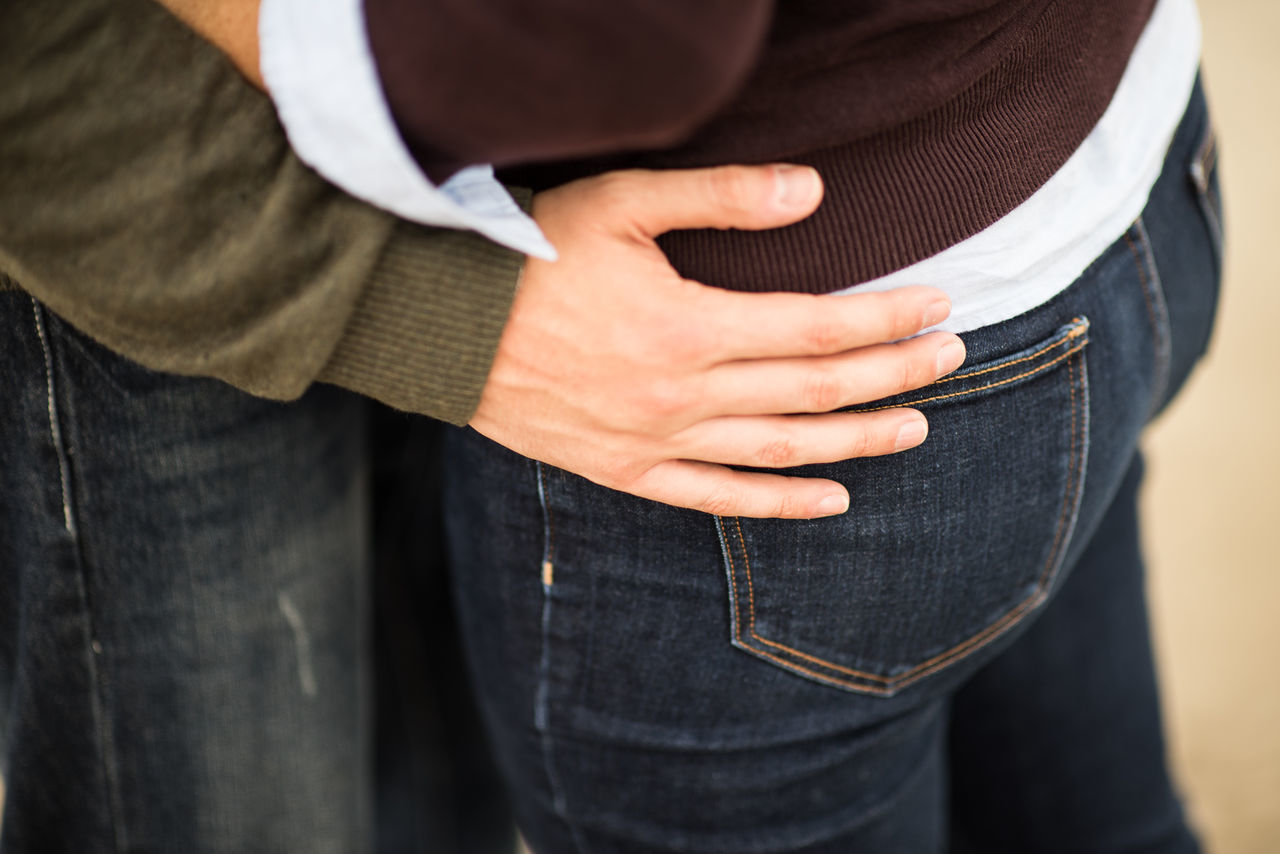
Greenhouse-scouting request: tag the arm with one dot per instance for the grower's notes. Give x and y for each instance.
(150, 199)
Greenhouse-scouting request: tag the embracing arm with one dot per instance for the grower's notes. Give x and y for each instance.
(148, 196)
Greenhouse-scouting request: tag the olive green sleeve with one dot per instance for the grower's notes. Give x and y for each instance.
(149, 197)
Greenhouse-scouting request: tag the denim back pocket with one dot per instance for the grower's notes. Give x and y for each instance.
(946, 547)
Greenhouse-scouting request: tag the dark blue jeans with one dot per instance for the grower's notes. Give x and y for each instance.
(961, 662)
(184, 606)
(186, 648)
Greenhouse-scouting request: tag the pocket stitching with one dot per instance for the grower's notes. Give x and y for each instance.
(1081, 328)
(1073, 334)
(975, 642)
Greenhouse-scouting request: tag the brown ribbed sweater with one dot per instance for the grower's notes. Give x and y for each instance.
(929, 120)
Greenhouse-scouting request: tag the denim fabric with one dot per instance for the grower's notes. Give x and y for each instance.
(184, 570)
(184, 617)
(959, 663)
(437, 789)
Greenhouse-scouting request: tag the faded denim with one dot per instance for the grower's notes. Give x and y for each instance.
(183, 591)
(186, 653)
(961, 662)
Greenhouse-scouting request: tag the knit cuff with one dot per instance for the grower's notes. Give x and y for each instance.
(424, 333)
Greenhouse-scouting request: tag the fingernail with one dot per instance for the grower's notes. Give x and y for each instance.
(910, 434)
(833, 505)
(950, 357)
(798, 186)
(936, 313)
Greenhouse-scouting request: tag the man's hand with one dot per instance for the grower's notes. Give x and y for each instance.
(614, 367)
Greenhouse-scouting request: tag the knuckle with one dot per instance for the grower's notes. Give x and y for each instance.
(921, 369)
(790, 507)
(822, 391)
(778, 453)
(794, 507)
(903, 318)
(895, 315)
(787, 505)
(861, 442)
(729, 501)
(734, 187)
(699, 348)
(908, 373)
(683, 340)
(617, 472)
(723, 502)
(666, 400)
(613, 192)
(824, 335)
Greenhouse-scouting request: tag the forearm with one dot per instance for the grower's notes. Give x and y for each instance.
(149, 198)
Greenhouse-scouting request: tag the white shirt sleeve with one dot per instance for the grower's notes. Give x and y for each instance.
(318, 66)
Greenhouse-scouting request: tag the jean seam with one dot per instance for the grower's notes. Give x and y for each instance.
(1077, 453)
(542, 700)
(1076, 334)
(1157, 312)
(964, 375)
(106, 758)
(55, 429)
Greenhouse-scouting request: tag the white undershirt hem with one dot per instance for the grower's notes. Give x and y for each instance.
(1036, 251)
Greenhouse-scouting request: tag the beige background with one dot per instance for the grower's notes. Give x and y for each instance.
(1210, 503)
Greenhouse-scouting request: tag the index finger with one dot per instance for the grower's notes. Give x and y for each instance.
(774, 325)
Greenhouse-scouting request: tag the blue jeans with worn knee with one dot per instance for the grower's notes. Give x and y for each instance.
(961, 662)
(186, 656)
(183, 596)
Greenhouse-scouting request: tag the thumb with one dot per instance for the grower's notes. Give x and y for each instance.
(749, 197)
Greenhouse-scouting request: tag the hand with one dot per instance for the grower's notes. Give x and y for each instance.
(615, 368)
